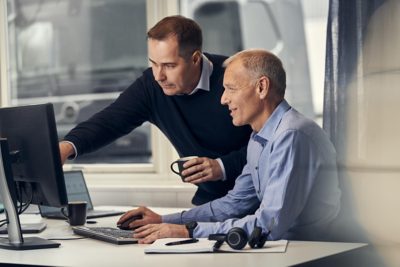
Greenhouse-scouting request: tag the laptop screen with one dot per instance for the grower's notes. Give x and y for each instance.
(76, 191)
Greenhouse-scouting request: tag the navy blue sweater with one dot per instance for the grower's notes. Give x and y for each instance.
(195, 124)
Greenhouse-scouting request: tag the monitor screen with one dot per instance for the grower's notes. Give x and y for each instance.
(36, 166)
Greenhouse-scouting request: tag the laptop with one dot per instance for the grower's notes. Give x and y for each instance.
(76, 191)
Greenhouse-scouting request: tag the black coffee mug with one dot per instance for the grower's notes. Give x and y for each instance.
(76, 212)
(180, 163)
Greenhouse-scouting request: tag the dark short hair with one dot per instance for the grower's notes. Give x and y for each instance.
(262, 63)
(187, 31)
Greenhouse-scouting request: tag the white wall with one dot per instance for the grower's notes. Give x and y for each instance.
(372, 173)
(155, 196)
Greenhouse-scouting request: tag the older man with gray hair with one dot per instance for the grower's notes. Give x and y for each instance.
(289, 186)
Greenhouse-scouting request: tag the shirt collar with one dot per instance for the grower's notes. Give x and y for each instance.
(272, 123)
(206, 71)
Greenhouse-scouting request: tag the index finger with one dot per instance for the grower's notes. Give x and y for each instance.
(193, 162)
(137, 223)
(129, 214)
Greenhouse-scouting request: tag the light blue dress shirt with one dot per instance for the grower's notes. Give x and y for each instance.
(289, 184)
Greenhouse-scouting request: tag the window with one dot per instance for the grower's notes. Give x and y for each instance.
(79, 55)
(294, 30)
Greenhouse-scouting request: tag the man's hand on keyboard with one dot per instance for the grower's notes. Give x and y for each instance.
(148, 217)
(149, 233)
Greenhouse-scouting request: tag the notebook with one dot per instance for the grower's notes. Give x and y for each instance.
(205, 245)
(27, 228)
(76, 191)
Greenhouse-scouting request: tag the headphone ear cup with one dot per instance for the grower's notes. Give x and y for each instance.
(262, 240)
(255, 237)
(236, 238)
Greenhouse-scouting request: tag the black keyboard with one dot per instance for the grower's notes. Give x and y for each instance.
(107, 234)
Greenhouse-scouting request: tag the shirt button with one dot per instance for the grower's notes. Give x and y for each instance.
(257, 168)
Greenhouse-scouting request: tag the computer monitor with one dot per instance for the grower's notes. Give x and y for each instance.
(30, 167)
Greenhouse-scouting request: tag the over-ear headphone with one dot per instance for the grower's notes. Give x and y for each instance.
(237, 238)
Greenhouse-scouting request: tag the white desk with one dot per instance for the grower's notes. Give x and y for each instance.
(90, 252)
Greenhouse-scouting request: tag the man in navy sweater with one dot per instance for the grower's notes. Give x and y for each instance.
(180, 94)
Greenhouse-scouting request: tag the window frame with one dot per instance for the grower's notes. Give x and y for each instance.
(123, 174)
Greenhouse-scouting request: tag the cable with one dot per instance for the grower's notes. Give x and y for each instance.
(3, 223)
(19, 195)
(21, 207)
(25, 208)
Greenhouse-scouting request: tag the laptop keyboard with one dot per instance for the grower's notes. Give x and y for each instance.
(107, 234)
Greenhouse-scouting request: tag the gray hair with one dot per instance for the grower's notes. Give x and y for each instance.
(260, 63)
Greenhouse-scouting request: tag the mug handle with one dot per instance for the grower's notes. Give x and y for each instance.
(172, 167)
(63, 212)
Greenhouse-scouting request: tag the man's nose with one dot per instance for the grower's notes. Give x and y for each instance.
(224, 100)
(159, 74)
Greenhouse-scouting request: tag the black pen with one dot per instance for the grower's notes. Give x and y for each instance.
(181, 242)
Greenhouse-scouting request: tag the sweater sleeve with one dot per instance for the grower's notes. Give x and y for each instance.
(127, 112)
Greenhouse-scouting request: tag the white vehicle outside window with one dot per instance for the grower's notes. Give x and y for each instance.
(80, 55)
(292, 29)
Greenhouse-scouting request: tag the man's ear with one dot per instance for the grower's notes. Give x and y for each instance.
(196, 57)
(263, 87)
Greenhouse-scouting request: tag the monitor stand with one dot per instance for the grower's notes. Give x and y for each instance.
(15, 239)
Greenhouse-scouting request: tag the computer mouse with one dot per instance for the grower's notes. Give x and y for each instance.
(125, 224)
